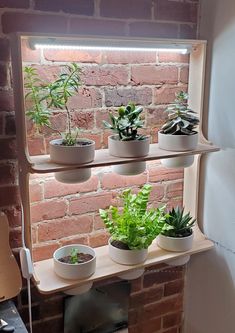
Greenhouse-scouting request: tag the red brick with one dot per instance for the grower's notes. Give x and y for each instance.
(15, 238)
(54, 324)
(95, 136)
(61, 228)
(15, 21)
(35, 192)
(52, 188)
(153, 294)
(96, 27)
(98, 223)
(184, 72)
(48, 73)
(136, 285)
(90, 203)
(44, 251)
(175, 11)
(172, 319)
(7, 174)
(1, 124)
(163, 307)
(122, 96)
(28, 54)
(10, 128)
(83, 7)
(36, 146)
(155, 116)
(160, 174)
(173, 57)
(98, 239)
(133, 9)
(174, 190)
(48, 210)
(171, 330)
(14, 216)
(174, 203)
(166, 275)
(4, 48)
(75, 240)
(84, 119)
(149, 74)
(129, 57)
(9, 195)
(153, 29)
(166, 95)
(188, 31)
(52, 307)
(8, 149)
(73, 56)
(14, 3)
(174, 287)
(6, 100)
(101, 115)
(152, 326)
(157, 193)
(104, 75)
(113, 180)
(3, 75)
(85, 99)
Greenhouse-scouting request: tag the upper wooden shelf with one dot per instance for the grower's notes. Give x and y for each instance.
(49, 282)
(43, 164)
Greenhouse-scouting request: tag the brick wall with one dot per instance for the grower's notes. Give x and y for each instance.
(157, 18)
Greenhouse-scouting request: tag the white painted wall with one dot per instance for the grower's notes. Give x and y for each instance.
(210, 291)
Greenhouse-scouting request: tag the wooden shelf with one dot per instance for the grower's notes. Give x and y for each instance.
(43, 164)
(48, 282)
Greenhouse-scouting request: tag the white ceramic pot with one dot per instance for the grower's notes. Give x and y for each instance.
(132, 275)
(178, 143)
(131, 149)
(175, 244)
(74, 271)
(72, 155)
(127, 257)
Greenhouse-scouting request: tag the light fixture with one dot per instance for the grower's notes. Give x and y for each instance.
(107, 44)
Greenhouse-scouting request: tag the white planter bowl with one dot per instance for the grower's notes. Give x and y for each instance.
(131, 149)
(74, 271)
(177, 143)
(175, 244)
(72, 155)
(127, 257)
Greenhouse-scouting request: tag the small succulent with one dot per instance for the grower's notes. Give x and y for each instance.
(177, 224)
(181, 119)
(74, 256)
(126, 123)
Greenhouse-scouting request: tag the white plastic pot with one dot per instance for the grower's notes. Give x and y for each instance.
(132, 149)
(74, 271)
(175, 244)
(178, 143)
(127, 257)
(72, 155)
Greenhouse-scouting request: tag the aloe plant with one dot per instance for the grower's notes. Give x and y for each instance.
(181, 119)
(178, 224)
(56, 94)
(126, 123)
(135, 225)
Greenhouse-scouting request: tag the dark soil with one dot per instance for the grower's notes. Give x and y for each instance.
(81, 258)
(120, 245)
(79, 143)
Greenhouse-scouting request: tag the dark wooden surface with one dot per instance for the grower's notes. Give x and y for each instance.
(9, 313)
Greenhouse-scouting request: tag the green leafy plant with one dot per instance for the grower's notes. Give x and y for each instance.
(52, 95)
(177, 224)
(181, 119)
(74, 256)
(135, 225)
(126, 123)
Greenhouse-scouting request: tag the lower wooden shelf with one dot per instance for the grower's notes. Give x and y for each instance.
(48, 282)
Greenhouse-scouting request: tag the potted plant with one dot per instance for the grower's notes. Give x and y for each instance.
(179, 131)
(133, 228)
(177, 233)
(74, 261)
(69, 149)
(127, 142)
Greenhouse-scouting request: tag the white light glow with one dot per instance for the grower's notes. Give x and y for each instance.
(108, 48)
